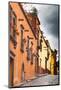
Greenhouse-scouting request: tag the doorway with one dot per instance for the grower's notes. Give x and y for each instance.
(11, 71)
(23, 73)
(46, 63)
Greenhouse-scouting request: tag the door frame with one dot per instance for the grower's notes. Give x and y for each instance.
(12, 72)
(22, 73)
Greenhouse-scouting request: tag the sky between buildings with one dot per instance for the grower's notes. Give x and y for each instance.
(49, 19)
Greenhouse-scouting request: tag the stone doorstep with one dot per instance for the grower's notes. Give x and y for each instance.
(26, 81)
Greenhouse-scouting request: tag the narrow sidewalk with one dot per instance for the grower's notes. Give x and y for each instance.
(33, 78)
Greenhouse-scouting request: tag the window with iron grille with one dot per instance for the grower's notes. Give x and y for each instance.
(40, 45)
(22, 40)
(29, 48)
(14, 32)
(12, 23)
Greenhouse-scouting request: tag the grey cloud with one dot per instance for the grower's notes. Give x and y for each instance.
(49, 16)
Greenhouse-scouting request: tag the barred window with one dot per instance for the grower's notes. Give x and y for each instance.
(14, 31)
(29, 48)
(12, 23)
(22, 40)
(40, 45)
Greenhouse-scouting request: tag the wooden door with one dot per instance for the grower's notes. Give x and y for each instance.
(11, 71)
(23, 73)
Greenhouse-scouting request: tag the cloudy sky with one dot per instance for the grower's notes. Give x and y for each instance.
(48, 16)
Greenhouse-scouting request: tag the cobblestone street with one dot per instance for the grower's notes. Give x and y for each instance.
(43, 80)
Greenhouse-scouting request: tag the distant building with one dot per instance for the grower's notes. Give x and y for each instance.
(43, 53)
(47, 57)
(53, 65)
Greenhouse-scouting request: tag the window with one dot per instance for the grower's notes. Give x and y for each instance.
(46, 63)
(12, 23)
(12, 54)
(29, 48)
(48, 54)
(32, 58)
(40, 45)
(14, 31)
(22, 40)
(37, 34)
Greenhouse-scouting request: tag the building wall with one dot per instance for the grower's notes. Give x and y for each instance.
(53, 66)
(42, 53)
(49, 60)
(21, 57)
(20, 67)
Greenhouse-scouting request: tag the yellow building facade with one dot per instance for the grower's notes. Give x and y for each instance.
(43, 53)
(53, 66)
(47, 57)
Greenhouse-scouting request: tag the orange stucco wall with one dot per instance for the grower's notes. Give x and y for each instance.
(22, 57)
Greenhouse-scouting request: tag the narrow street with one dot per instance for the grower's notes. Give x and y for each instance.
(43, 80)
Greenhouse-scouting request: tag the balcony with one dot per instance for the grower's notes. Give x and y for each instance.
(12, 55)
(23, 41)
(13, 39)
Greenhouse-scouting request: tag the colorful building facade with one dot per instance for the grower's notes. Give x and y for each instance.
(53, 65)
(43, 53)
(29, 53)
(24, 47)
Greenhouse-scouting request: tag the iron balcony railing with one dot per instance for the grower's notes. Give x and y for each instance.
(13, 39)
